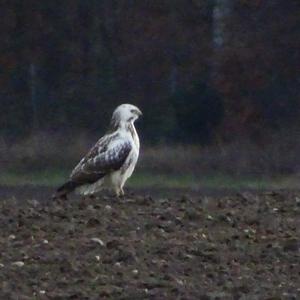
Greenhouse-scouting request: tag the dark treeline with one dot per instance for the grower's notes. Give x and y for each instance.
(199, 70)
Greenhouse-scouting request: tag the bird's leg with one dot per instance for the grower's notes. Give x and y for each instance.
(119, 192)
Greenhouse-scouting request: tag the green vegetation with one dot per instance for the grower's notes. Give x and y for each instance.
(217, 181)
(52, 178)
(44, 178)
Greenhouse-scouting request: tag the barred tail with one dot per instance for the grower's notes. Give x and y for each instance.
(65, 189)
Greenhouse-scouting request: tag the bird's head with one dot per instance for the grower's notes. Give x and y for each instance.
(126, 113)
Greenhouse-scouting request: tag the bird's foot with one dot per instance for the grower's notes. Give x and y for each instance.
(120, 193)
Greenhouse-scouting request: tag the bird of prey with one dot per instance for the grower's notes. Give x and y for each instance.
(111, 161)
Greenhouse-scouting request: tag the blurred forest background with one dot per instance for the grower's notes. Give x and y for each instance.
(218, 82)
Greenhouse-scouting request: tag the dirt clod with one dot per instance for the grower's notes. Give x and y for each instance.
(243, 246)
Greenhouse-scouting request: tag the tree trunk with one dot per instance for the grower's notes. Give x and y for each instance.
(33, 96)
(173, 79)
(221, 14)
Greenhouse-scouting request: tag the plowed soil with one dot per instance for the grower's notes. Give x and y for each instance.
(190, 246)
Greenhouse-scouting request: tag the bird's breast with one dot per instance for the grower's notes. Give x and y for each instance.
(130, 162)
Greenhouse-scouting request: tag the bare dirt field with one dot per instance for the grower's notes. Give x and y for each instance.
(170, 245)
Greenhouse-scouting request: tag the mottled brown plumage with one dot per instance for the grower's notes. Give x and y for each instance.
(111, 160)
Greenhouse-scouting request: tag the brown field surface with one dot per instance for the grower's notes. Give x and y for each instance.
(166, 244)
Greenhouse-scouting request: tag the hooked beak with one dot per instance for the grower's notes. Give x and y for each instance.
(139, 113)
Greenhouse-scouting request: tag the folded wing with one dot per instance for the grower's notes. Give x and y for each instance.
(100, 161)
(109, 154)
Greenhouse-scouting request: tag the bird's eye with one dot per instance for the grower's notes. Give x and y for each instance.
(133, 111)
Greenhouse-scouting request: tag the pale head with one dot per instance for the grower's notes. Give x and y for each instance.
(126, 113)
